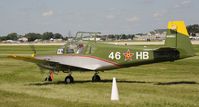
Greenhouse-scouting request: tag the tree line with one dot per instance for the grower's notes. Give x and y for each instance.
(33, 36)
(193, 29)
(118, 36)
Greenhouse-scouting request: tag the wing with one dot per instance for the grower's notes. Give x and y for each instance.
(85, 62)
(26, 58)
(77, 61)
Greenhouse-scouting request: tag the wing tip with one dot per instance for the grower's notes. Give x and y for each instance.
(12, 56)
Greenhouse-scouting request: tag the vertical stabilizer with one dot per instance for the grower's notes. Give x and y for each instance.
(178, 37)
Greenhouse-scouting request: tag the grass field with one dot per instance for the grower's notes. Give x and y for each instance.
(168, 84)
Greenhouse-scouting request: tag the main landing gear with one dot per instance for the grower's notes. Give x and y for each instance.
(69, 79)
(96, 77)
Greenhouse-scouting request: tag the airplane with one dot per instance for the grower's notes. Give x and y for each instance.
(94, 56)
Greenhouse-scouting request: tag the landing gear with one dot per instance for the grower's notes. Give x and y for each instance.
(69, 79)
(50, 77)
(96, 77)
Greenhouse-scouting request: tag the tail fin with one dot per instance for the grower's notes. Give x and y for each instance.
(178, 37)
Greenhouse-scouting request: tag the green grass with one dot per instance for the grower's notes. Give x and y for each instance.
(168, 84)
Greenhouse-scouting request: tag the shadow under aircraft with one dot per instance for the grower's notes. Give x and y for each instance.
(119, 81)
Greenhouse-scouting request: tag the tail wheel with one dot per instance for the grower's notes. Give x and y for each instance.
(69, 79)
(96, 78)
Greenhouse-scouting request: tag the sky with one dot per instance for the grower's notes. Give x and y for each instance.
(106, 16)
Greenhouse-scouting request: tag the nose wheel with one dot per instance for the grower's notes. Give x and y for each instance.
(96, 77)
(50, 77)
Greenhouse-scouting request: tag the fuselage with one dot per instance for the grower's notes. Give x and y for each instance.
(126, 56)
(100, 57)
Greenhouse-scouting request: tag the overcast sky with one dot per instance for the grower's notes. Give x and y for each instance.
(106, 16)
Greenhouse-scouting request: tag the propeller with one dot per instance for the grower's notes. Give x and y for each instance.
(32, 46)
(33, 49)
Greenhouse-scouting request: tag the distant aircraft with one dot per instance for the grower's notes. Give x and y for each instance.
(94, 56)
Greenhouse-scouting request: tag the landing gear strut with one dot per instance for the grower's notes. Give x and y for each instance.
(96, 77)
(69, 79)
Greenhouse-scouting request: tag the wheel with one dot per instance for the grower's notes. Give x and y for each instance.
(96, 78)
(48, 78)
(69, 79)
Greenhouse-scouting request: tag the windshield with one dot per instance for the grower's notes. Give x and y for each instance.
(83, 43)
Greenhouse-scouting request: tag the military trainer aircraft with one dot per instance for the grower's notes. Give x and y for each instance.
(93, 56)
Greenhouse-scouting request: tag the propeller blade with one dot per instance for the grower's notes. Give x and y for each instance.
(33, 49)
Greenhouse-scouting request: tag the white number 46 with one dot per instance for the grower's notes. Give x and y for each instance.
(116, 56)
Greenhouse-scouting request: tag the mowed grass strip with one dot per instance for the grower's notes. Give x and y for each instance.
(168, 84)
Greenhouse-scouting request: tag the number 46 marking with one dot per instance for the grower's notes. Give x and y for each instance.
(115, 55)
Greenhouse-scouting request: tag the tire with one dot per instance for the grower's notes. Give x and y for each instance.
(49, 78)
(69, 79)
(96, 78)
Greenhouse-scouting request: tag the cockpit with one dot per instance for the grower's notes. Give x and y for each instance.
(81, 44)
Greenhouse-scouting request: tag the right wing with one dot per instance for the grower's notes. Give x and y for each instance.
(78, 61)
(26, 58)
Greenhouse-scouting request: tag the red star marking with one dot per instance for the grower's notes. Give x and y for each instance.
(128, 55)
